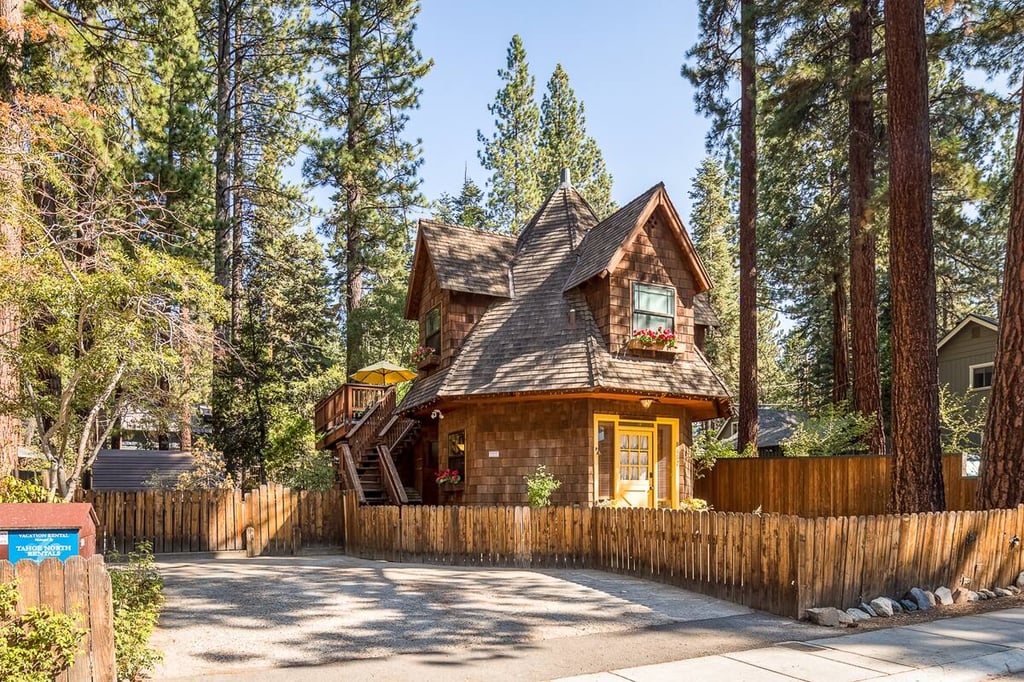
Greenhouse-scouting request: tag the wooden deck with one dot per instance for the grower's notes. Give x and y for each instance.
(338, 412)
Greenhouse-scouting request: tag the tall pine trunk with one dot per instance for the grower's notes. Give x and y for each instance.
(917, 466)
(11, 14)
(353, 195)
(867, 380)
(840, 339)
(1001, 484)
(748, 231)
(237, 232)
(222, 151)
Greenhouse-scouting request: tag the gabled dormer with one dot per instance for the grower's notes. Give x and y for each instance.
(457, 273)
(639, 270)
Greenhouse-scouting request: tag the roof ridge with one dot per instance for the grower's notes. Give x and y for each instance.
(478, 230)
(522, 237)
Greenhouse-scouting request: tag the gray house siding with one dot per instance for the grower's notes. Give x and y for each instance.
(973, 345)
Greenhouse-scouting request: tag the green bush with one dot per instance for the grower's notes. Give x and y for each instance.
(138, 595)
(13, 489)
(38, 645)
(835, 430)
(540, 486)
(708, 449)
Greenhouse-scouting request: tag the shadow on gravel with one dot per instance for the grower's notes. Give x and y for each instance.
(311, 611)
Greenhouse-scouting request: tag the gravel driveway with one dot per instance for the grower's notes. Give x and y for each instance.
(244, 615)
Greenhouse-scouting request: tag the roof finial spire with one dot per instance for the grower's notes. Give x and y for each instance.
(566, 179)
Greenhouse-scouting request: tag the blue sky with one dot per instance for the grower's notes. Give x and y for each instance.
(623, 61)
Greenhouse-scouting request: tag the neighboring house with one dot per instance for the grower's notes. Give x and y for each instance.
(534, 363)
(773, 427)
(966, 356)
(136, 469)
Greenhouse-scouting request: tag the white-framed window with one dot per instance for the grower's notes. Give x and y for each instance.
(980, 377)
(654, 306)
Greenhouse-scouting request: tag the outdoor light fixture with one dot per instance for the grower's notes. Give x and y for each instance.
(646, 402)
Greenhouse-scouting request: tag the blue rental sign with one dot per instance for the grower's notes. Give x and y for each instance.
(42, 544)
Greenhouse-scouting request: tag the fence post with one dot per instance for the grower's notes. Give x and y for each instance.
(250, 542)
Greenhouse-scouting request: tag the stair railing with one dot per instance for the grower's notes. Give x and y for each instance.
(349, 473)
(389, 476)
(363, 434)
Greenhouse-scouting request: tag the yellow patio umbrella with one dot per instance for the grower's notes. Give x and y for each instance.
(383, 374)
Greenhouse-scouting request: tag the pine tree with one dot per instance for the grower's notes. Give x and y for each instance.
(369, 87)
(564, 143)
(747, 419)
(466, 209)
(916, 484)
(510, 154)
(714, 236)
(867, 382)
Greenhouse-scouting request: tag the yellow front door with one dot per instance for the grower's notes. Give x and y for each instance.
(636, 465)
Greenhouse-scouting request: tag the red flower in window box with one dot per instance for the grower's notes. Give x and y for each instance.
(653, 338)
(448, 477)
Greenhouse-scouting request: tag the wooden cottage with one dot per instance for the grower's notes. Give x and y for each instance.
(532, 360)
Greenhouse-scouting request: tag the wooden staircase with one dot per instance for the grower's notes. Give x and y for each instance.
(366, 454)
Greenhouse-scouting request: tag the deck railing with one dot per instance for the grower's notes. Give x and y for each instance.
(336, 414)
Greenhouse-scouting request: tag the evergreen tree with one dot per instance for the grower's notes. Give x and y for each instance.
(370, 85)
(714, 236)
(917, 462)
(510, 154)
(466, 209)
(564, 143)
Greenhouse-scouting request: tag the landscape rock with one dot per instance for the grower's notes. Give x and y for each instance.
(973, 596)
(944, 595)
(908, 604)
(988, 593)
(919, 597)
(1020, 580)
(897, 607)
(961, 595)
(866, 608)
(931, 597)
(829, 616)
(1013, 588)
(1002, 592)
(882, 606)
(857, 614)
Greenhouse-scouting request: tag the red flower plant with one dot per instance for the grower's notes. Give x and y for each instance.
(451, 476)
(651, 337)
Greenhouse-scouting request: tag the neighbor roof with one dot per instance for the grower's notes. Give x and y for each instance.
(527, 343)
(773, 426)
(132, 469)
(972, 318)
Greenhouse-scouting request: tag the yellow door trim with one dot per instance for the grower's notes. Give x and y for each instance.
(673, 455)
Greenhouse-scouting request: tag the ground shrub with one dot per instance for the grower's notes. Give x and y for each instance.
(36, 646)
(138, 596)
(13, 489)
(540, 486)
(835, 430)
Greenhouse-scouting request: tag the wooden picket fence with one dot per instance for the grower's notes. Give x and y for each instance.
(78, 587)
(781, 564)
(818, 486)
(282, 520)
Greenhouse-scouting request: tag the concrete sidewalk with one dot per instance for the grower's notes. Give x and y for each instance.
(964, 649)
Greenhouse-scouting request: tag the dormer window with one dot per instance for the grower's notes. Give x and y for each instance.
(653, 306)
(432, 329)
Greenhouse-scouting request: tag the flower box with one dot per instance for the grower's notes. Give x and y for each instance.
(635, 344)
(428, 362)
